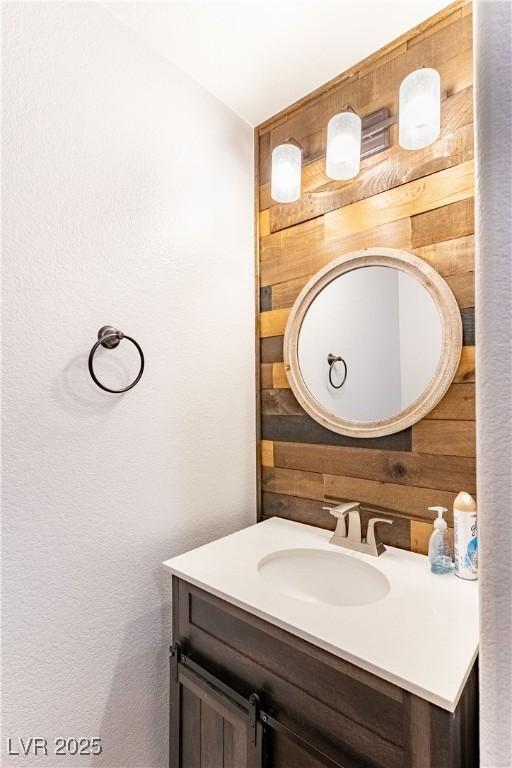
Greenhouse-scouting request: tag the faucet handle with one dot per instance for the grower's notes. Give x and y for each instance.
(340, 513)
(342, 509)
(341, 526)
(371, 538)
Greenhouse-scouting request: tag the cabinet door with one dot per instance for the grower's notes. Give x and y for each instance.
(208, 727)
(213, 726)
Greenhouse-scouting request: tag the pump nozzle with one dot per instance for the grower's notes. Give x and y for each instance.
(439, 523)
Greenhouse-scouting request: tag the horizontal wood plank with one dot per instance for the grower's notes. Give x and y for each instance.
(307, 511)
(405, 468)
(279, 377)
(264, 154)
(445, 223)
(307, 485)
(468, 326)
(446, 437)
(303, 429)
(267, 453)
(264, 223)
(289, 260)
(266, 298)
(463, 288)
(270, 248)
(282, 402)
(309, 234)
(410, 501)
(266, 376)
(434, 29)
(466, 369)
(429, 193)
(271, 349)
(420, 536)
(273, 323)
(458, 403)
(284, 294)
(450, 257)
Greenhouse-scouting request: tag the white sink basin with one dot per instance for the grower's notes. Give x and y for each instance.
(317, 576)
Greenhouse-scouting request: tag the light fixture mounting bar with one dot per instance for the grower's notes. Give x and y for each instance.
(374, 135)
(375, 132)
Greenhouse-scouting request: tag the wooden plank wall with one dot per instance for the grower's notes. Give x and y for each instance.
(418, 201)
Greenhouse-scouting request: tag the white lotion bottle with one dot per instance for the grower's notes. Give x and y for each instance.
(465, 536)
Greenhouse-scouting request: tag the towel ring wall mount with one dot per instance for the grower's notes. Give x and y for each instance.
(109, 337)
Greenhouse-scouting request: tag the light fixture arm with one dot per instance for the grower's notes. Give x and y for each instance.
(295, 144)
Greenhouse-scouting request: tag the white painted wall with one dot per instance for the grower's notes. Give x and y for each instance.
(127, 200)
(493, 121)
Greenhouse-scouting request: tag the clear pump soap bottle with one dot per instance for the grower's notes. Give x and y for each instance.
(439, 551)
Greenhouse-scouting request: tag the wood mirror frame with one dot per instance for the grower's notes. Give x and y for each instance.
(451, 344)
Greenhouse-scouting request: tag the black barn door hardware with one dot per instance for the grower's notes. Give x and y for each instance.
(244, 712)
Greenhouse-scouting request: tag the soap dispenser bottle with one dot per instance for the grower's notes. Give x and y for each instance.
(439, 552)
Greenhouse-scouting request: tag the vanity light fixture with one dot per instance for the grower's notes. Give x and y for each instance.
(286, 172)
(351, 138)
(419, 109)
(343, 154)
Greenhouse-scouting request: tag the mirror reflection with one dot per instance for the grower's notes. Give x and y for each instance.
(369, 343)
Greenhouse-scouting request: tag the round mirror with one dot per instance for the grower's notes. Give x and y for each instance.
(373, 342)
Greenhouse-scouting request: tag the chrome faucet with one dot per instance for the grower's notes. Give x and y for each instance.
(349, 536)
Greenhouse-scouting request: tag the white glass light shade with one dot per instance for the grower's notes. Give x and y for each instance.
(343, 155)
(420, 109)
(286, 173)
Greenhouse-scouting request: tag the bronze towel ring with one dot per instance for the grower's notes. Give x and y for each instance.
(109, 338)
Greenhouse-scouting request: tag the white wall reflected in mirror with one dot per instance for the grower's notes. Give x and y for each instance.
(387, 327)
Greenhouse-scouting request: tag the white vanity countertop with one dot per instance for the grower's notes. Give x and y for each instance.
(422, 636)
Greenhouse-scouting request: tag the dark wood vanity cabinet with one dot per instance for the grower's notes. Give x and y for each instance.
(247, 694)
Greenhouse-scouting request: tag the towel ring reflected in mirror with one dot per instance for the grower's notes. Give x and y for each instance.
(331, 361)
